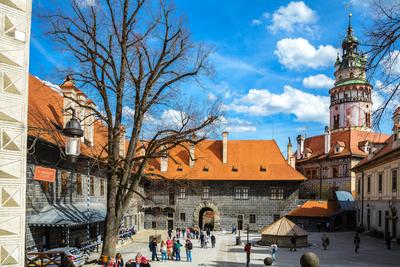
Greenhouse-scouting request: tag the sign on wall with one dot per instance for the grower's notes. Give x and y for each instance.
(44, 174)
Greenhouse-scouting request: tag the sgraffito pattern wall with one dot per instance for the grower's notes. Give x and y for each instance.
(15, 20)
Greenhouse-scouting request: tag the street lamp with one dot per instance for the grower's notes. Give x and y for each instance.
(73, 133)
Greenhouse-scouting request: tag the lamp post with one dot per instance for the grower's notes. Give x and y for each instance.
(73, 133)
(247, 233)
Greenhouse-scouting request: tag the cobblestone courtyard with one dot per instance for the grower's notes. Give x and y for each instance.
(340, 252)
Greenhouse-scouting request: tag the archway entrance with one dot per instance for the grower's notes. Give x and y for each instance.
(206, 218)
(207, 212)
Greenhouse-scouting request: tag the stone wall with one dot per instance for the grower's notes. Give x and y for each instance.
(15, 24)
(222, 201)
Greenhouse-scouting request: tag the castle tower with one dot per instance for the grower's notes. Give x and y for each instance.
(351, 102)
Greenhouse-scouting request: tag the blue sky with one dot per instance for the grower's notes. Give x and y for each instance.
(273, 60)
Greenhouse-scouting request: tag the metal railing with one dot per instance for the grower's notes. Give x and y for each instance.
(43, 259)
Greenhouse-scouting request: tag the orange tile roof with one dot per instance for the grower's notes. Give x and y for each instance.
(45, 119)
(247, 156)
(385, 150)
(315, 208)
(349, 138)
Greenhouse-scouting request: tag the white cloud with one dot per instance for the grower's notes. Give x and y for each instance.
(222, 62)
(295, 16)
(236, 125)
(318, 81)
(86, 3)
(298, 53)
(305, 106)
(391, 63)
(256, 22)
(211, 97)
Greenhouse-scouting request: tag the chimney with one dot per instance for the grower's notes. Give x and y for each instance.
(191, 156)
(225, 147)
(290, 159)
(164, 161)
(300, 146)
(327, 141)
(396, 128)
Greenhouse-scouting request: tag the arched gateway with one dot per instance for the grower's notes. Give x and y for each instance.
(210, 211)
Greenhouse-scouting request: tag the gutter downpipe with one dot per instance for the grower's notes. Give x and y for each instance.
(362, 199)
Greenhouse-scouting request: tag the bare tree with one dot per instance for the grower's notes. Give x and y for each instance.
(135, 55)
(384, 52)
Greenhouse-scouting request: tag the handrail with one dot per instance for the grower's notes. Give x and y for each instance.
(43, 259)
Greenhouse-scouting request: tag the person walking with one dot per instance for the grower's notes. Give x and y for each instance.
(178, 233)
(202, 239)
(213, 240)
(325, 241)
(356, 242)
(274, 249)
(293, 242)
(153, 249)
(170, 233)
(169, 248)
(247, 249)
(183, 232)
(177, 249)
(388, 240)
(189, 247)
(119, 262)
(163, 250)
(188, 233)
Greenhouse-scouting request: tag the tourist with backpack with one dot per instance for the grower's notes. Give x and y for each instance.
(189, 247)
(153, 249)
(177, 250)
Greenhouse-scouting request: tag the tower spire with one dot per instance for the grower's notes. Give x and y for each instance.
(349, 28)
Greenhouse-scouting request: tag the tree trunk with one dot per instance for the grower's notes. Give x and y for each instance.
(111, 234)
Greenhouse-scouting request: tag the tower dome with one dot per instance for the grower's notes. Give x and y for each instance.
(351, 102)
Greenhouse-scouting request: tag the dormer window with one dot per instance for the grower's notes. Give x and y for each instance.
(339, 146)
(179, 169)
(234, 169)
(263, 169)
(205, 169)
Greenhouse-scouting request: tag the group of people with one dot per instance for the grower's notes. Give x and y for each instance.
(138, 261)
(170, 249)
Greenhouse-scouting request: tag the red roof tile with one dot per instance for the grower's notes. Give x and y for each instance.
(315, 208)
(247, 156)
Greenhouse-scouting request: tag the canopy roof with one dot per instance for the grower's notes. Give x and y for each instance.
(283, 227)
(69, 214)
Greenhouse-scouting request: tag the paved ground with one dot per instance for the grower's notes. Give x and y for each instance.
(340, 252)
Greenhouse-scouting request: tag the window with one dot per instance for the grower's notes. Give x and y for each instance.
(380, 218)
(154, 224)
(369, 184)
(170, 215)
(91, 189)
(64, 182)
(308, 174)
(314, 174)
(394, 180)
(277, 193)
(183, 217)
(276, 217)
(380, 183)
(206, 193)
(252, 218)
(359, 186)
(241, 193)
(182, 192)
(335, 172)
(101, 187)
(79, 184)
(345, 170)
